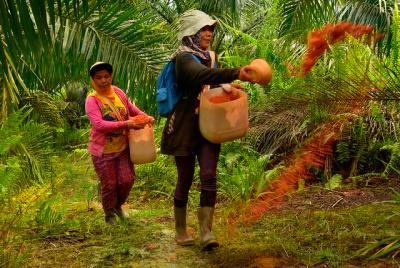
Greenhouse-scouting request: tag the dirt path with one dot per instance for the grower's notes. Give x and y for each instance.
(313, 228)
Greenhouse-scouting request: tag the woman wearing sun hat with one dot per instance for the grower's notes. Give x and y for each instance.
(181, 135)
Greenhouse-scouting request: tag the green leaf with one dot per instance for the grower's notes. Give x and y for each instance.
(334, 182)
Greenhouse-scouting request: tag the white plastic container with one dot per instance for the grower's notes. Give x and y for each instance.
(141, 145)
(225, 121)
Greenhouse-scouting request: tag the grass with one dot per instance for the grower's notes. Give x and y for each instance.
(310, 238)
(146, 240)
(67, 228)
(302, 239)
(331, 236)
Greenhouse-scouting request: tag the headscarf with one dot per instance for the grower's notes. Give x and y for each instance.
(109, 93)
(191, 44)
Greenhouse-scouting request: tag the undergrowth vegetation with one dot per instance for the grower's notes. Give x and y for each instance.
(336, 127)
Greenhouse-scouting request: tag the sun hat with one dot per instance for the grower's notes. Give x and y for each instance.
(192, 21)
(98, 66)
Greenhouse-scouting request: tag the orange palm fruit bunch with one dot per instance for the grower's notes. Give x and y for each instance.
(224, 97)
(320, 40)
(141, 119)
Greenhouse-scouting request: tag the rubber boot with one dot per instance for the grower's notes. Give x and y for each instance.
(207, 238)
(182, 237)
(109, 216)
(120, 213)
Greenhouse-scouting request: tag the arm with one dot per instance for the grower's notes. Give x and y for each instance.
(132, 109)
(93, 112)
(191, 74)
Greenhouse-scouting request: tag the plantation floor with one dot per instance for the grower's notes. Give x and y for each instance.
(313, 228)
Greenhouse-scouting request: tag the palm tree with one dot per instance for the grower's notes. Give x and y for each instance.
(68, 38)
(137, 37)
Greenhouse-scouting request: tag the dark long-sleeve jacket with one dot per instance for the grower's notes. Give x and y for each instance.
(181, 134)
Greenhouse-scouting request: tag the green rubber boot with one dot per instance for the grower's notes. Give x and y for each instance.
(207, 239)
(182, 237)
(121, 214)
(109, 216)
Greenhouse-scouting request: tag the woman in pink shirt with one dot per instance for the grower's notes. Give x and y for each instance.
(111, 115)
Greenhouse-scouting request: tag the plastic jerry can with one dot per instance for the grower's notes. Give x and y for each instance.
(141, 145)
(222, 116)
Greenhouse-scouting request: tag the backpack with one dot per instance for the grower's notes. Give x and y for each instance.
(168, 93)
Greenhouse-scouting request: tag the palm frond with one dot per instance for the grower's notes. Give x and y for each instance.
(29, 143)
(378, 13)
(276, 130)
(168, 10)
(131, 46)
(346, 82)
(20, 24)
(370, 12)
(230, 10)
(71, 36)
(10, 80)
(300, 16)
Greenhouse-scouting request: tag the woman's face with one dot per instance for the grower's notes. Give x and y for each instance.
(206, 35)
(102, 80)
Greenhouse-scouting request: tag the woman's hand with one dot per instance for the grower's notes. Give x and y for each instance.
(258, 71)
(133, 124)
(237, 86)
(140, 121)
(151, 120)
(246, 73)
(228, 87)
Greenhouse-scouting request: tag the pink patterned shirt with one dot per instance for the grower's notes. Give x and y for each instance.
(100, 127)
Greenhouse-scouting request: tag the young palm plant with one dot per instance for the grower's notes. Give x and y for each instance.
(25, 164)
(323, 105)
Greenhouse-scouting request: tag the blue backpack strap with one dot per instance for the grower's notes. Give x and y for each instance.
(196, 58)
(167, 93)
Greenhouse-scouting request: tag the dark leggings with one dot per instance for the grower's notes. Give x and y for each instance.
(207, 156)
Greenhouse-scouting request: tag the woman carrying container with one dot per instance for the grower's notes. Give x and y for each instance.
(181, 135)
(111, 115)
